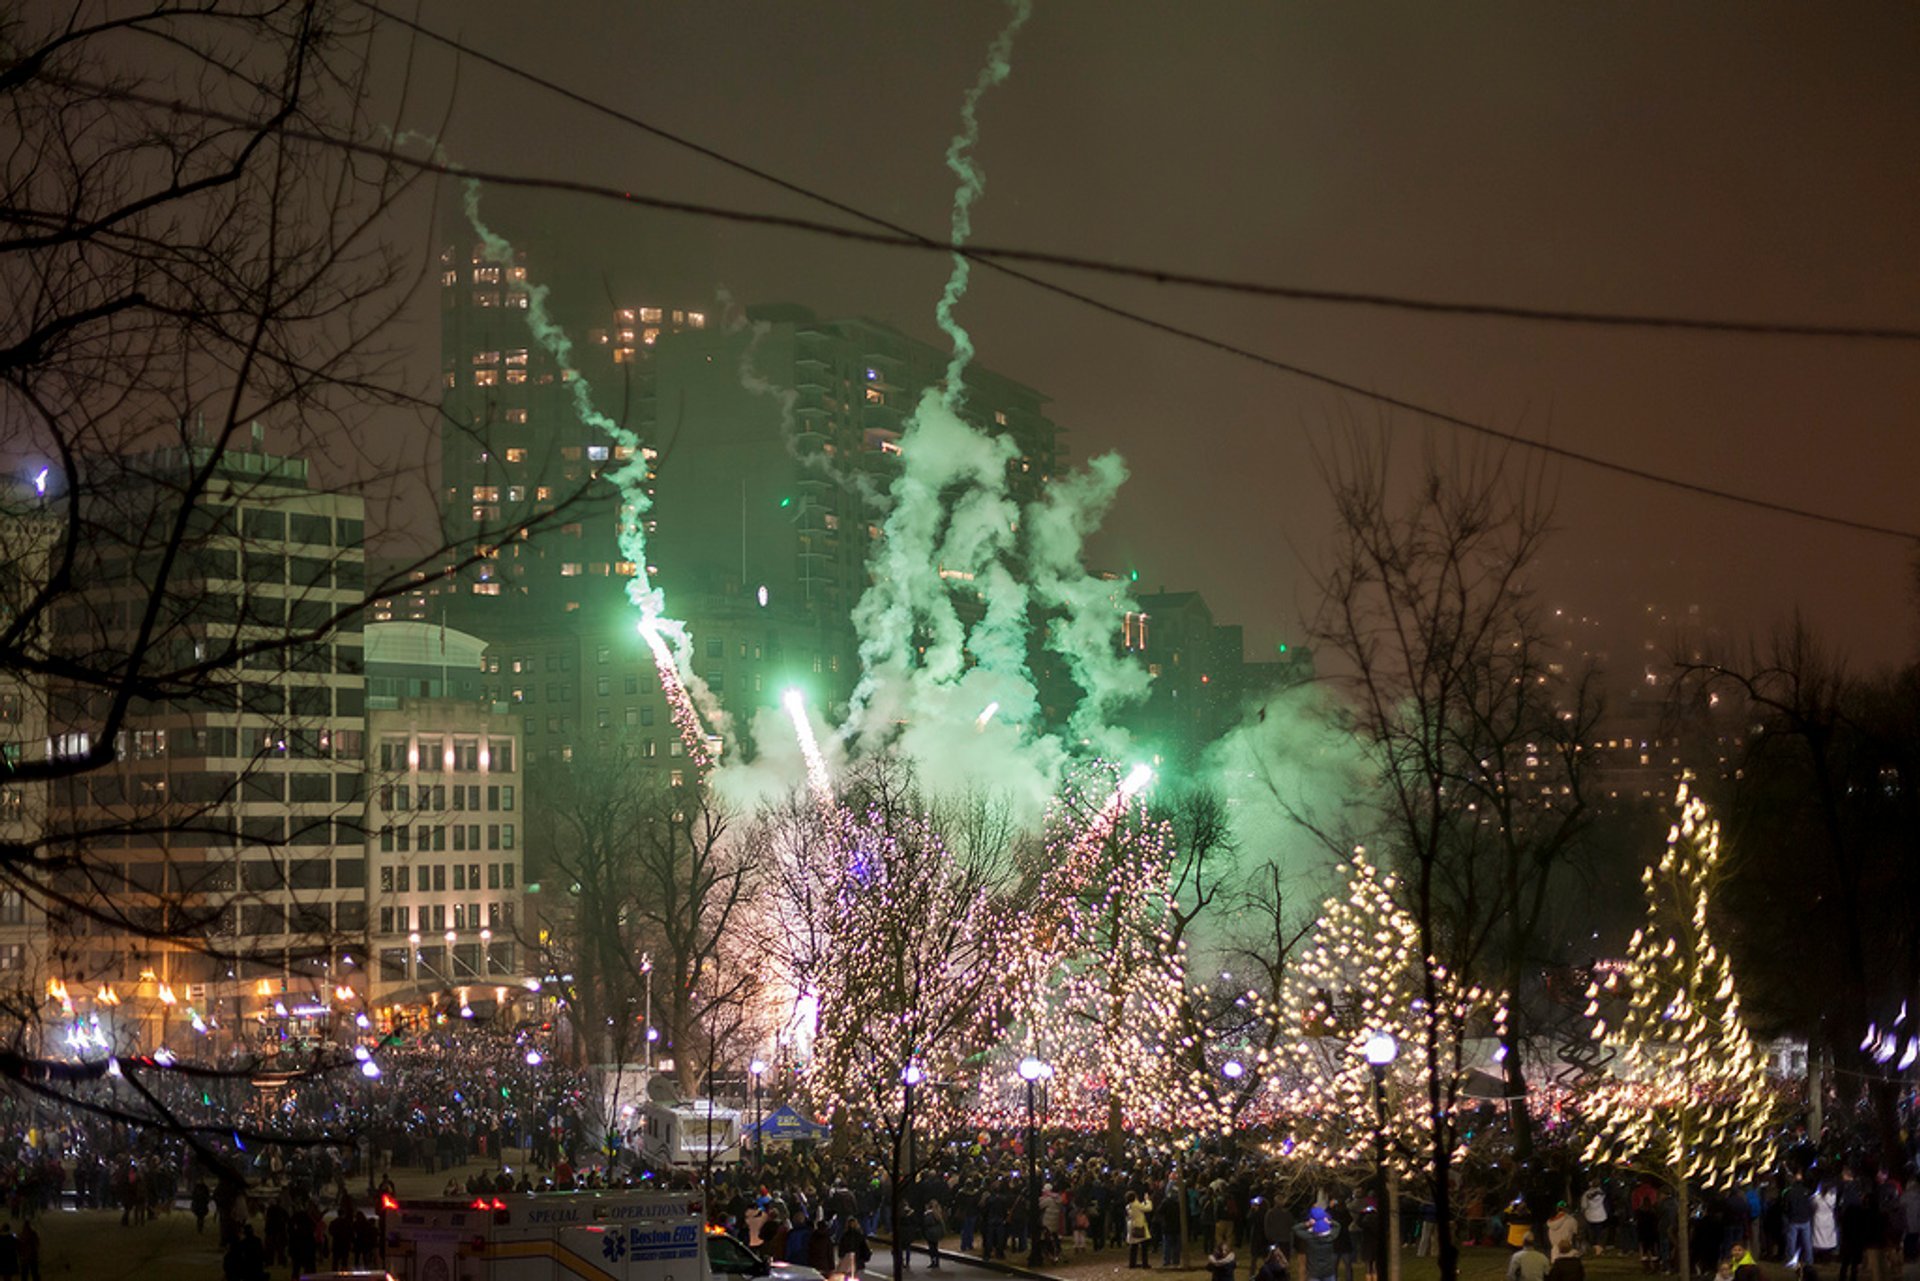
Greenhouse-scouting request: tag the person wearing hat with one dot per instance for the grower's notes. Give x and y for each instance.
(1319, 1239)
(1562, 1228)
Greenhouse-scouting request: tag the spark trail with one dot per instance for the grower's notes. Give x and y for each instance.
(818, 781)
(665, 637)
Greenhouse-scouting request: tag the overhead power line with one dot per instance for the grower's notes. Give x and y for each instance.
(904, 237)
(390, 154)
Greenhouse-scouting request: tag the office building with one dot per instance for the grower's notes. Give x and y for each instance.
(445, 825)
(214, 875)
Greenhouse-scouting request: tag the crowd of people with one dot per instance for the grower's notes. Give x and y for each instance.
(295, 1180)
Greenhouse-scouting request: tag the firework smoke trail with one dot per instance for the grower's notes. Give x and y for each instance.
(972, 182)
(939, 453)
(665, 637)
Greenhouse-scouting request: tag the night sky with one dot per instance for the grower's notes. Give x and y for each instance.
(1752, 161)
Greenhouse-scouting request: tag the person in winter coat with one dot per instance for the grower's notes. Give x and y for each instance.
(1139, 1233)
(1319, 1239)
(854, 1251)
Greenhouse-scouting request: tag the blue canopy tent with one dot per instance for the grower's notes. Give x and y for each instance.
(784, 1125)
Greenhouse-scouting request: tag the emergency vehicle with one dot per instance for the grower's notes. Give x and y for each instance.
(617, 1235)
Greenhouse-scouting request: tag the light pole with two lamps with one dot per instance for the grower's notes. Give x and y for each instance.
(1381, 1050)
(1033, 1071)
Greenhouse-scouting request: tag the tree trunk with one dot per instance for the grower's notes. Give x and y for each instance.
(1816, 1094)
(1519, 1115)
(1391, 1246)
(1683, 1230)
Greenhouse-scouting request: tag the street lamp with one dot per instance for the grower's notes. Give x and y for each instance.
(1033, 1071)
(646, 972)
(1381, 1050)
(903, 1162)
(758, 1069)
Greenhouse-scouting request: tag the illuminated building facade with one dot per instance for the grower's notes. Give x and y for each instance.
(445, 821)
(227, 834)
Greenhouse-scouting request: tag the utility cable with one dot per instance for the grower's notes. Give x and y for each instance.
(995, 255)
(389, 155)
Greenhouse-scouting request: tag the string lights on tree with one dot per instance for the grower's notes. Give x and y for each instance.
(1688, 1097)
(1362, 979)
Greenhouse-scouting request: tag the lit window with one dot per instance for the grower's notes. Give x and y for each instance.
(450, 278)
(486, 297)
(1000, 417)
(486, 377)
(625, 315)
(517, 274)
(486, 357)
(875, 396)
(570, 569)
(649, 315)
(516, 455)
(486, 493)
(597, 453)
(486, 275)
(696, 320)
(649, 336)
(486, 589)
(516, 416)
(516, 375)
(516, 493)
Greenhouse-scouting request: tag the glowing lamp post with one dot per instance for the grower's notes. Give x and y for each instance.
(1033, 1071)
(1381, 1050)
(758, 1069)
(1233, 1070)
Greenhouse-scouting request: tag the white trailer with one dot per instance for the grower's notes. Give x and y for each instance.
(689, 1134)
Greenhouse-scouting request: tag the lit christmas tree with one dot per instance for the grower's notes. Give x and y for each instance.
(1359, 982)
(1688, 1099)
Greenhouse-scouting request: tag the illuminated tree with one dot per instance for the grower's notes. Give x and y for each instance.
(1688, 1099)
(1362, 976)
(1470, 726)
(1101, 965)
(911, 965)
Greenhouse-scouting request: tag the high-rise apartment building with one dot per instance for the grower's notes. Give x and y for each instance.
(515, 446)
(214, 874)
(769, 432)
